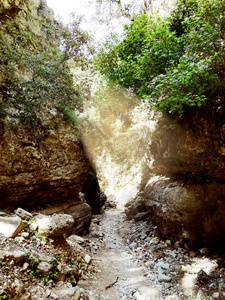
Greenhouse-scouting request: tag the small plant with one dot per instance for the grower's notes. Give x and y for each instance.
(58, 256)
(72, 262)
(34, 261)
(25, 223)
(32, 220)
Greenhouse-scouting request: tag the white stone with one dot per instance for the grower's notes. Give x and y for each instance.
(25, 266)
(17, 256)
(164, 278)
(10, 226)
(25, 235)
(75, 238)
(45, 267)
(215, 295)
(23, 213)
(87, 258)
(64, 292)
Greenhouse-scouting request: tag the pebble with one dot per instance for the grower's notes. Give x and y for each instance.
(25, 235)
(164, 278)
(87, 258)
(215, 295)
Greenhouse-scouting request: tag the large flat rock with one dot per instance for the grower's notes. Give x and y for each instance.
(10, 226)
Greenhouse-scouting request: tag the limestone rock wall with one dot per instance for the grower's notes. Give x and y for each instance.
(44, 162)
(34, 16)
(39, 165)
(185, 196)
(194, 147)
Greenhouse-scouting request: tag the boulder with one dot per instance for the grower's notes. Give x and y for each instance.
(192, 213)
(75, 238)
(10, 226)
(17, 256)
(53, 226)
(135, 206)
(82, 214)
(44, 267)
(67, 293)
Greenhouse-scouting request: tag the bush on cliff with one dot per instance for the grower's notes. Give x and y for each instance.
(35, 77)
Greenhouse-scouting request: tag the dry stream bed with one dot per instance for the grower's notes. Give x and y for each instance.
(119, 259)
(131, 262)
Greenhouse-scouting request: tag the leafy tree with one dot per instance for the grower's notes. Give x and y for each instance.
(176, 63)
(75, 41)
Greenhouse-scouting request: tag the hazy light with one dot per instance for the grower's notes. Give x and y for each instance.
(65, 8)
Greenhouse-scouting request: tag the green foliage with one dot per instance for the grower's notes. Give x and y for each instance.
(2, 295)
(33, 271)
(176, 62)
(76, 42)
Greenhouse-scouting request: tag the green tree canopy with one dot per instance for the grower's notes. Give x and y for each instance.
(176, 62)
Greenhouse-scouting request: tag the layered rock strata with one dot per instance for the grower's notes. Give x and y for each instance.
(185, 196)
(38, 165)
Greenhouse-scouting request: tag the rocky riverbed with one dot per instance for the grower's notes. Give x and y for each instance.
(132, 262)
(118, 259)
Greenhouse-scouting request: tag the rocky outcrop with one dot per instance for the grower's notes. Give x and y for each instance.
(43, 160)
(135, 206)
(28, 15)
(186, 198)
(40, 165)
(192, 214)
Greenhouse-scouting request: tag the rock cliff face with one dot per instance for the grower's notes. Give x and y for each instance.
(43, 162)
(195, 148)
(33, 16)
(186, 198)
(40, 166)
